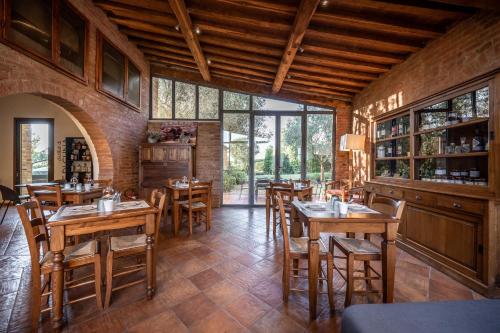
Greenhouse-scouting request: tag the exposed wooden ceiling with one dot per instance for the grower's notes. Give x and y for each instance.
(295, 49)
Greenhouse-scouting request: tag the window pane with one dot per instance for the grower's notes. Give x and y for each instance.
(317, 108)
(291, 147)
(162, 98)
(134, 85)
(236, 158)
(208, 100)
(462, 105)
(113, 69)
(185, 101)
(31, 25)
(72, 36)
(261, 103)
(319, 147)
(482, 102)
(235, 101)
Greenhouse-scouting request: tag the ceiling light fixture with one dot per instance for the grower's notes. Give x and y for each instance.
(324, 3)
(209, 61)
(177, 27)
(301, 49)
(289, 76)
(197, 30)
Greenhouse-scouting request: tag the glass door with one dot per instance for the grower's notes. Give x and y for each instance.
(290, 157)
(264, 156)
(34, 150)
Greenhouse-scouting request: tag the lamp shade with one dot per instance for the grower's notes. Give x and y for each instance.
(352, 142)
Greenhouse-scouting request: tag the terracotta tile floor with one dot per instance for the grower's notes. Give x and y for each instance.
(226, 280)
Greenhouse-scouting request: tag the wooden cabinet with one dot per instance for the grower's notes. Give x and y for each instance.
(158, 162)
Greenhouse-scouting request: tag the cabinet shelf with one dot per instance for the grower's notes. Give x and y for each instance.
(392, 158)
(442, 128)
(393, 138)
(473, 154)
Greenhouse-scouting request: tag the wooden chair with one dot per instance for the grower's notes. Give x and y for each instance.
(295, 249)
(131, 245)
(305, 182)
(339, 188)
(11, 197)
(50, 197)
(364, 249)
(287, 193)
(77, 256)
(198, 203)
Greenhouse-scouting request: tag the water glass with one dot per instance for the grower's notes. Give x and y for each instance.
(343, 208)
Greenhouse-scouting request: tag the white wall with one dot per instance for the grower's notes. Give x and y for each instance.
(30, 106)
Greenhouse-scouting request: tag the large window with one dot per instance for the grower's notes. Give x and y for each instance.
(180, 100)
(51, 30)
(118, 76)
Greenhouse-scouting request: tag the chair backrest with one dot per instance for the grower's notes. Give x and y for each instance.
(285, 189)
(172, 180)
(284, 226)
(386, 205)
(9, 194)
(305, 182)
(200, 192)
(157, 199)
(36, 233)
(51, 196)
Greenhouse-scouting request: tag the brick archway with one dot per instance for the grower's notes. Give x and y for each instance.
(69, 101)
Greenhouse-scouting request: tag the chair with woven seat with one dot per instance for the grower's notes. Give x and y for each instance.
(11, 197)
(129, 246)
(364, 249)
(198, 205)
(295, 249)
(81, 255)
(287, 192)
(50, 197)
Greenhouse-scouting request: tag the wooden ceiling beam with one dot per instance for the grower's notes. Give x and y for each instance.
(374, 21)
(351, 52)
(304, 14)
(335, 72)
(252, 88)
(373, 41)
(356, 65)
(143, 26)
(136, 13)
(238, 45)
(186, 26)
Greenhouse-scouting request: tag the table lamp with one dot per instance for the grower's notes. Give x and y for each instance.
(350, 143)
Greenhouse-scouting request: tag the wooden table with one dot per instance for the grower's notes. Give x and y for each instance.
(36, 184)
(303, 193)
(326, 221)
(174, 195)
(64, 226)
(81, 196)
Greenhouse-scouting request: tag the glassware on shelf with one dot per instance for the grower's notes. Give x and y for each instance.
(477, 142)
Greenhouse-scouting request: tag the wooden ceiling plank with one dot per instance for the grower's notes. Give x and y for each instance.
(143, 26)
(329, 79)
(167, 55)
(238, 69)
(162, 47)
(225, 73)
(137, 36)
(427, 7)
(480, 4)
(271, 6)
(298, 87)
(239, 45)
(250, 88)
(232, 61)
(356, 65)
(304, 14)
(186, 26)
(314, 93)
(349, 74)
(157, 5)
(170, 62)
(135, 12)
(241, 34)
(221, 51)
(310, 83)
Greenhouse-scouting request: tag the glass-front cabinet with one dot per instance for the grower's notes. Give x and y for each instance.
(444, 141)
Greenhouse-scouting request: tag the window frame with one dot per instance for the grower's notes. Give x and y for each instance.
(100, 38)
(54, 60)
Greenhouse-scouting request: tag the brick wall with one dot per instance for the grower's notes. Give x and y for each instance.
(468, 50)
(115, 129)
(343, 126)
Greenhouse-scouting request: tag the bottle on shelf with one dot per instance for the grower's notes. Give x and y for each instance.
(400, 126)
(477, 142)
(394, 129)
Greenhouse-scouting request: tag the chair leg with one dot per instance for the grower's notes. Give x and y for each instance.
(36, 305)
(109, 278)
(5, 212)
(366, 265)
(286, 279)
(190, 222)
(274, 222)
(329, 280)
(320, 273)
(350, 280)
(97, 279)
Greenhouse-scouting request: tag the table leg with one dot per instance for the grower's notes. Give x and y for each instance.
(268, 209)
(313, 248)
(57, 245)
(151, 276)
(296, 229)
(175, 216)
(389, 262)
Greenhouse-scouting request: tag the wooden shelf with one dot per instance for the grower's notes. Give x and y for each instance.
(473, 154)
(392, 138)
(442, 128)
(392, 158)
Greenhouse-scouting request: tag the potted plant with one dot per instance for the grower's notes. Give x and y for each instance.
(153, 136)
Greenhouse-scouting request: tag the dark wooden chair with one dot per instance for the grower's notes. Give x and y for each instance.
(129, 246)
(198, 205)
(10, 196)
(50, 197)
(364, 249)
(339, 188)
(77, 256)
(295, 249)
(287, 192)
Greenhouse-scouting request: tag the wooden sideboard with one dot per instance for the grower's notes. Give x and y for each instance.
(160, 161)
